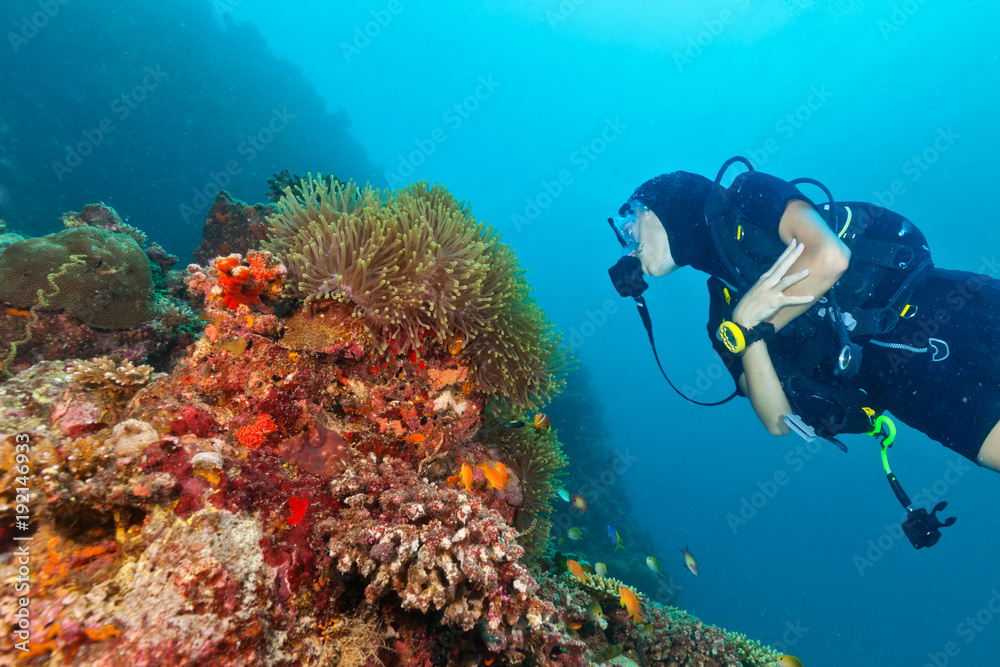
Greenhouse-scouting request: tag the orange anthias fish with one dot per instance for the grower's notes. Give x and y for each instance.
(541, 422)
(464, 476)
(578, 502)
(631, 603)
(496, 478)
(415, 438)
(575, 569)
(493, 477)
(689, 561)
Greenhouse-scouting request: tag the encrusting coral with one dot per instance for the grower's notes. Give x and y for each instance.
(89, 291)
(416, 266)
(41, 303)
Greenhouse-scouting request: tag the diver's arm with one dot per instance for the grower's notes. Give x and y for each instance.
(824, 255)
(768, 298)
(760, 382)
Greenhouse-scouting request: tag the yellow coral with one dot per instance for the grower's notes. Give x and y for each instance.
(752, 652)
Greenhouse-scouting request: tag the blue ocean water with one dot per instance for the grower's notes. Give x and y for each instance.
(545, 115)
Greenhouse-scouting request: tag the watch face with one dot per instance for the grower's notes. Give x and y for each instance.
(732, 336)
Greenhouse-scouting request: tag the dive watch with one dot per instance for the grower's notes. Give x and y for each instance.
(737, 339)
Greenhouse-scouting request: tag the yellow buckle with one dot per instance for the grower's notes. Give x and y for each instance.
(908, 311)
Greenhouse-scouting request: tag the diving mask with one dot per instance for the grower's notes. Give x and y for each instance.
(626, 226)
(626, 274)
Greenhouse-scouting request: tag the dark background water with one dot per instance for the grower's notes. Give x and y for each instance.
(545, 115)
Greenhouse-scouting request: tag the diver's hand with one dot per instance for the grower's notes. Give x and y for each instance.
(767, 296)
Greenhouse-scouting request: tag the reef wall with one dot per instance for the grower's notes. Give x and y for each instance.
(330, 471)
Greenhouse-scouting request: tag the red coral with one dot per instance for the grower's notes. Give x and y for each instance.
(237, 282)
(193, 420)
(243, 283)
(298, 507)
(254, 435)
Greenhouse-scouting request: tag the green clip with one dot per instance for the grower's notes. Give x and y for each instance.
(884, 428)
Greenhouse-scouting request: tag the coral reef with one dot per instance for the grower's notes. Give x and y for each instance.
(104, 278)
(438, 549)
(236, 282)
(62, 336)
(417, 267)
(96, 273)
(303, 489)
(232, 227)
(101, 216)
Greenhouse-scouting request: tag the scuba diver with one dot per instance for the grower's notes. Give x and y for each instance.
(826, 315)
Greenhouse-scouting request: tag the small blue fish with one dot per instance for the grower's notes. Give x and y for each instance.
(616, 539)
(564, 494)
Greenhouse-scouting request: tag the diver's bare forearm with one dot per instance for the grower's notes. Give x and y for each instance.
(817, 283)
(764, 388)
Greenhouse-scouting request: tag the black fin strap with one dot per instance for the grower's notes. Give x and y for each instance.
(648, 323)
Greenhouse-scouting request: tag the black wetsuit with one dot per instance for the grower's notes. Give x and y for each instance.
(938, 371)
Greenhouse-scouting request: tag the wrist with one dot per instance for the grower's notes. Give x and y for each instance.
(742, 320)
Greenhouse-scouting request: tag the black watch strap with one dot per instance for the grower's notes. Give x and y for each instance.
(763, 331)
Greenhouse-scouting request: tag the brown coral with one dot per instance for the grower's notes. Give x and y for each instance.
(115, 376)
(111, 288)
(437, 549)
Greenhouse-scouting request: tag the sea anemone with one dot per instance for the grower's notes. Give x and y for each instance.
(537, 459)
(417, 267)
